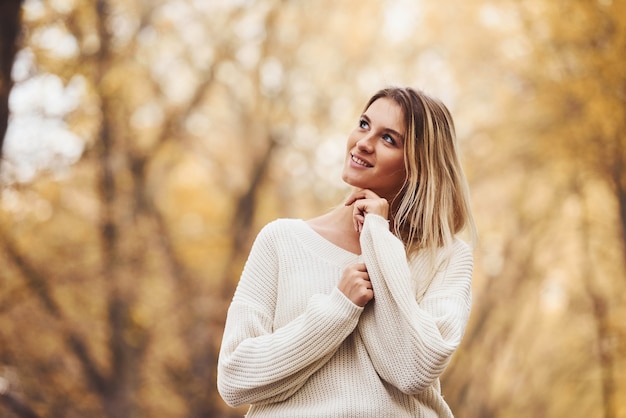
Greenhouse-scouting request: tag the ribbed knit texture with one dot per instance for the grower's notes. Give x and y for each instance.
(295, 346)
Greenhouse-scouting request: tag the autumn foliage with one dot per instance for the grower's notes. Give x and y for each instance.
(148, 143)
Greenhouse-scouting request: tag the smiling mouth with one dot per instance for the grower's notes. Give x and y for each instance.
(360, 161)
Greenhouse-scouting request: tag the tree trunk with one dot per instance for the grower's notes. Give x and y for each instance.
(10, 26)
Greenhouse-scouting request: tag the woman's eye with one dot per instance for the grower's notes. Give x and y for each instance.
(363, 124)
(388, 138)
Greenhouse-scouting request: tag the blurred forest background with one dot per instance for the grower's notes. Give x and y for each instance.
(147, 142)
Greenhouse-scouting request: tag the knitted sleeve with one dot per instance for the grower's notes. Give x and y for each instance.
(411, 343)
(260, 364)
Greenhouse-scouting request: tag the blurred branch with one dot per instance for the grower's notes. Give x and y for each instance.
(16, 406)
(11, 298)
(504, 294)
(37, 283)
(199, 368)
(93, 376)
(108, 228)
(173, 122)
(128, 342)
(246, 204)
(617, 178)
(599, 311)
(176, 268)
(241, 222)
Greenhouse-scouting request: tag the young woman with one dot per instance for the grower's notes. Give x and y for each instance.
(356, 313)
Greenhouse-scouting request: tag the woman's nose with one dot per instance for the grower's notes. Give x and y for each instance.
(365, 144)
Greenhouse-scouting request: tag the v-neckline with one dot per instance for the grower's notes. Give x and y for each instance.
(330, 245)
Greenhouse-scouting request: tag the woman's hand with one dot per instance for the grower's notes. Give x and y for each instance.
(355, 284)
(365, 201)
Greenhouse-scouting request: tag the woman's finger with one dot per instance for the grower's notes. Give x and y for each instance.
(361, 194)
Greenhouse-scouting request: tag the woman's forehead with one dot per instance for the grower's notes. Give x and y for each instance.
(388, 113)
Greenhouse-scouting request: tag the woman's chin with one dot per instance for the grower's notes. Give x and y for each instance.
(353, 182)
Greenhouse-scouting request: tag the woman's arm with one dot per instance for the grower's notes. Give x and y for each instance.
(411, 343)
(259, 364)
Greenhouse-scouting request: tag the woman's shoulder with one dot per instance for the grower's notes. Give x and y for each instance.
(461, 247)
(277, 234)
(458, 248)
(458, 251)
(281, 226)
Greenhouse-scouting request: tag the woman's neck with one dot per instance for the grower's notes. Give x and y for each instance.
(337, 227)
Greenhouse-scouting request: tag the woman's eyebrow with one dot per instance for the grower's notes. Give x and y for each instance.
(398, 134)
(389, 130)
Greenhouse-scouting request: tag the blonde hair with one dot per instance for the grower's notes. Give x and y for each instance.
(433, 205)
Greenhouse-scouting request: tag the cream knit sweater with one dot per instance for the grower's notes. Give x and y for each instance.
(295, 346)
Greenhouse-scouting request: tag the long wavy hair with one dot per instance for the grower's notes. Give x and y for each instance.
(433, 205)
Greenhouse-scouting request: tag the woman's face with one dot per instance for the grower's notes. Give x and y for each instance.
(375, 154)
